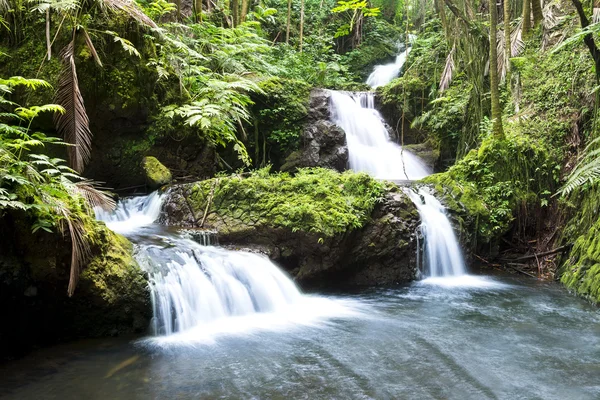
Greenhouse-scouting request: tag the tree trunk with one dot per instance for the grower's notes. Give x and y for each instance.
(198, 10)
(526, 16)
(244, 10)
(289, 21)
(494, 89)
(536, 8)
(301, 23)
(589, 38)
(441, 9)
(235, 9)
(507, 44)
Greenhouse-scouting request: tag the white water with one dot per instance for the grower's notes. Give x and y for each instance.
(369, 146)
(200, 291)
(442, 256)
(131, 213)
(385, 73)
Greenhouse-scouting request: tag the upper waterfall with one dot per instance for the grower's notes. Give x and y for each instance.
(385, 73)
(369, 146)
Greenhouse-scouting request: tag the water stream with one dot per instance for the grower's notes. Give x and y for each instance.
(369, 146)
(230, 324)
(200, 291)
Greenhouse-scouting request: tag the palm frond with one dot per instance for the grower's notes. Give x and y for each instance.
(74, 123)
(90, 46)
(131, 8)
(586, 171)
(446, 78)
(95, 196)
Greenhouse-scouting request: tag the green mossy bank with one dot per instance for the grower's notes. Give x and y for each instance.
(111, 297)
(326, 228)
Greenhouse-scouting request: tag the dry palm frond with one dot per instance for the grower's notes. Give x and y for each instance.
(80, 247)
(4, 6)
(552, 20)
(517, 45)
(516, 40)
(131, 8)
(90, 45)
(596, 13)
(73, 124)
(95, 196)
(446, 77)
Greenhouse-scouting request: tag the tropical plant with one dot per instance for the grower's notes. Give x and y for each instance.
(53, 195)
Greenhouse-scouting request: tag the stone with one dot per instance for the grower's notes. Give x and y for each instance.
(323, 144)
(157, 175)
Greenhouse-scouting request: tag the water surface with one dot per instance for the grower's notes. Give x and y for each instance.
(472, 338)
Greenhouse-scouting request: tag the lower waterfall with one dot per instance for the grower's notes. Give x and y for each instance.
(442, 256)
(199, 290)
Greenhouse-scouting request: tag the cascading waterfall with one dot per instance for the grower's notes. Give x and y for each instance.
(132, 213)
(369, 146)
(385, 73)
(197, 285)
(194, 284)
(442, 256)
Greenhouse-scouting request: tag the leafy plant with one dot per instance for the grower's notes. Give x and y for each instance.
(53, 195)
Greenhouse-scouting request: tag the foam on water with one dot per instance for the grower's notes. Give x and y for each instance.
(131, 213)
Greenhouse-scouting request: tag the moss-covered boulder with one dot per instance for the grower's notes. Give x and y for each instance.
(111, 298)
(323, 227)
(157, 175)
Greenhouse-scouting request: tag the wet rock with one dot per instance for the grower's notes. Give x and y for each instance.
(111, 297)
(323, 144)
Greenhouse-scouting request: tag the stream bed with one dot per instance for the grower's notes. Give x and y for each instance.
(469, 338)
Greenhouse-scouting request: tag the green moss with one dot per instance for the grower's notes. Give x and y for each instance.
(113, 273)
(581, 271)
(490, 186)
(318, 201)
(157, 174)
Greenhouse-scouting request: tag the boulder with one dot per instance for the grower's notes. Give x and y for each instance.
(313, 237)
(157, 175)
(323, 144)
(111, 298)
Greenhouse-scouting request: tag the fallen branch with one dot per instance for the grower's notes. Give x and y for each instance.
(544, 254)
(510, 265)
(209, 201)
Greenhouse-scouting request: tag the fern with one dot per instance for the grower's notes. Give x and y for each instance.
(586, 171)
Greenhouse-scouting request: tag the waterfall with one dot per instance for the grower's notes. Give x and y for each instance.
(442, 256)
(385, 73)
(192, 285)
(198, 288)
(369, 146)
(131, 213)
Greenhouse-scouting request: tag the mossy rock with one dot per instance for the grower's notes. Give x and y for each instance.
(325, 228)
(112, 296)
(157, 175)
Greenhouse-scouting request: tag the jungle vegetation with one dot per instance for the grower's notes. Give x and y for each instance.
(507, 92)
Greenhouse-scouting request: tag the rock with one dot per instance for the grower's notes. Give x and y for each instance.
(323, 144)
(157, 175)
(111, 297)
(379, 248)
